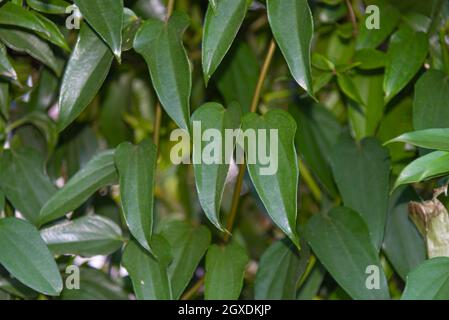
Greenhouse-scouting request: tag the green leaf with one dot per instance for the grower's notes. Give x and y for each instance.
(160, 43)
(49, 6)
(220, 29)
(106, 18)
(210, 179)
(87, 236)
(44, 94)
(292, 24)
(225, 269)
(429, 281)
(149, 275)
(86, 71)
(97, 173)
(403, 245)
(406, 55)
(188, 246)
(318, 132)
(437, 139)
(278, 190)
(4, 99)
(311, 286)
(23, 41)
(389, 19)
(237, 76)
(279, 271)
(431, 165)
(24, 183)
(370, 59)
(2, 201)
(95, 285)
(136, 166)
(348, 87)
(430, 105)
(131, 24)
(213, 4)
(342, 243)
(25, 255)
(14, 15)
(6, 68)
(362, 174)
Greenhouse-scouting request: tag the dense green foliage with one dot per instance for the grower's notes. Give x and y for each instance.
(357, 92)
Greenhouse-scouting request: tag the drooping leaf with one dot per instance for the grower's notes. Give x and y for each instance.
(362, 174)
(220, 29)
(405, 57)
(431, 165)
(85, 73)
(318, 132)
(342, 243)
(373, 37)
(160, 43)
(429, 281)
(275, 181)
(6, 69)
(106, 18)
(149, 274)
(14, 15)
(430, 104)
(403, 245)
(188, 246)
(237, 76)
(24, 41)
(136, 167)
(437, 139)
(210, 178)
(25, 255)
(279, 271)
(87, 236)
(292, 24)
(225, 269)
(97, 173)
(95, 285)
(49, 6)
(24, 183)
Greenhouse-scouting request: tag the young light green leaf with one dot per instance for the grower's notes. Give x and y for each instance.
(431, 165)
(370, 59)
(403, 245)
(188, 246)
(210, 178)
(225, 269)
(136, 167)
(14, 15)
(429, 281)
(342, 243)
(430, 104)
(24, 183)
(362, 174)
(27, 42)
(292, 24)
(280, 269)
(437, 139)
(276, 181)
(149, 274)
(25, 255)
(97, 173)
(237, 76)
(220, 29)
(160, 43)
(405, 57)
(106, 18)
(348, 87)
(85, 73)
(49, 6)
(6, 69)
(87, 236)
(389, 18)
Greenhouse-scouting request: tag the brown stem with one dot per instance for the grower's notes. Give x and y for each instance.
(157, 124)
(193, 290)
